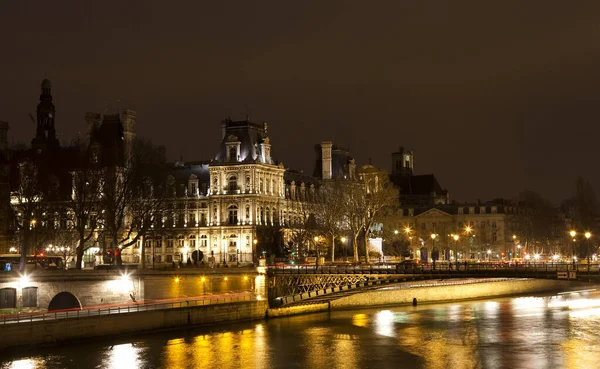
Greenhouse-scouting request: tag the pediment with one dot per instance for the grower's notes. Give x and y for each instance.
(434, 213)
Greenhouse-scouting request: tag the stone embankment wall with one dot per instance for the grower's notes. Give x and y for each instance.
(403, 296)
(52, 331)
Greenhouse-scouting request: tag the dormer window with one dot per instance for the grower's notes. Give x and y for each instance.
(232, 148)
(193, 185)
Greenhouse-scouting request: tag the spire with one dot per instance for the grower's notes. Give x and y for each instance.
(45, 134)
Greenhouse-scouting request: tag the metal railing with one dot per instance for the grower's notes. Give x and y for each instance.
(440, 268)
(121, 309)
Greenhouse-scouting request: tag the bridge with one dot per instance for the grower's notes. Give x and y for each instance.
(290, 284)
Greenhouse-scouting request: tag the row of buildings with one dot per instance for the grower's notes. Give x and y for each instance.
(219, 206)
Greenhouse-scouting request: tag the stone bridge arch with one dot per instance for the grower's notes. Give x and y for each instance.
(64, 300)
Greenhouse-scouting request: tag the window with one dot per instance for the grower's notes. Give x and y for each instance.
(494, 237)
(268, 216)
(233, 153)
(181, 241)
(232, 183)
(170, 241)
(433, 226)
(233, 215)
(494, 209)
(260, 188)
(192, 241)
(169, 258)
(203, 241)
(494, 224)
(233, 241)
(192, 219)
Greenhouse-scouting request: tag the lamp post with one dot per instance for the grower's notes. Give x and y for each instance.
(343, 240)
(514, 237)
(588, 235)
(468, 231)
(455, 236)
(573, 234)
(433, 236)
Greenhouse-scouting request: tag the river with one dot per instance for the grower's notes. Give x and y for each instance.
(560, 331)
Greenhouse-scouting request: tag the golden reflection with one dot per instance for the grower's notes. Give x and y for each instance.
(345, 352)
(175, 353)
(360, 320)
(318, 342)
(124, 356)
(23, 364)
(453, 346)
(203, 352)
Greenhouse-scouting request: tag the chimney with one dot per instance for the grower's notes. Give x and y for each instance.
(326, 147)
(3, 135)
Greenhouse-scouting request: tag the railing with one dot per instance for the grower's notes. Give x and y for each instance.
(132, 308)
(440, 268)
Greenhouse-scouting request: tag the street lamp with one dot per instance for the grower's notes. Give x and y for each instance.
(588, 235)
(343, 239)
(455, 236)
(573, 256)
(396, 231)
(489, 253)
(433, 236)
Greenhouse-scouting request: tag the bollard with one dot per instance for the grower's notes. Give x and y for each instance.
(414, 301)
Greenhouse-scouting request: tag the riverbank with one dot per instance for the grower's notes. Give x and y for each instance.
(75, 329)
(405, 294)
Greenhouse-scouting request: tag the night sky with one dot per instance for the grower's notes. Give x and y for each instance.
(493, 98)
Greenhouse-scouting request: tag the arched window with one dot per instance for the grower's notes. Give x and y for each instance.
(181, 241)
(233, 217)
(247, 213)
(192, 241)
(261, 218)
(232, 183)
(268, 217)
(233, 153)
(203, 241)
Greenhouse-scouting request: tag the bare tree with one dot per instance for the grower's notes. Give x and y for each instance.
(28, 206)
(329, 212)
(83, 204)
(380, 194)
(133, 200)
(355, 202)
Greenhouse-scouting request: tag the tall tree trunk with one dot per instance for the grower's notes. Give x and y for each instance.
(367, 247)
(80, 249)
(355, 247)
(332, 248)
(142, 253)
(117, 251)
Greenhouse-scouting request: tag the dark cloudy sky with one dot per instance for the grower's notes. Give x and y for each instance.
(493, 96)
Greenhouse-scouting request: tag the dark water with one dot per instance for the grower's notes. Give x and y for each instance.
(530, 332)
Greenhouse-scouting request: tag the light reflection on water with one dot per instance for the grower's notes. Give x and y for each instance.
(528, 332)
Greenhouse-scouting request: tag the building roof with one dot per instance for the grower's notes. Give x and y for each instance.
(422, 185)
(249, 134)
